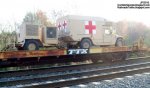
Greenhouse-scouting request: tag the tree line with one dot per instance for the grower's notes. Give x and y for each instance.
(132, 31)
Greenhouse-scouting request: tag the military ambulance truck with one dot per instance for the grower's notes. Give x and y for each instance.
(84, 31)
(70, 32)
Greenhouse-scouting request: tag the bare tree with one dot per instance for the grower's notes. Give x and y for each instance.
(39, 18)
(133, 31)
(57, 14)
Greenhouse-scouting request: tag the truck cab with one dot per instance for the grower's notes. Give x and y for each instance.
(33, 36)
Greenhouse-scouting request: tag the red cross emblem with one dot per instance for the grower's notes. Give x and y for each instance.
(90, 27)
(64, 24)
(59, 26)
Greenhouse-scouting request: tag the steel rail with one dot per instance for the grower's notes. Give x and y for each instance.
(99, 72)
(69, 67)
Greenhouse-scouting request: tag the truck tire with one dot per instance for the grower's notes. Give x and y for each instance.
(85, 43)
(119, 42)
(31, 45)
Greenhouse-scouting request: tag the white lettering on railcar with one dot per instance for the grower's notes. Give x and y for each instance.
(77, 51)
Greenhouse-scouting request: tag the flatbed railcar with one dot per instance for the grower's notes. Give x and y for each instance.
(81, 38)
(64, 55)
(60, 52)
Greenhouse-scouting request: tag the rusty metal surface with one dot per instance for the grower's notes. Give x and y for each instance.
(58, 52)
(109, 49)
(24, 54)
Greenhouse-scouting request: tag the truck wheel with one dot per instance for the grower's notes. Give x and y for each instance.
(119, 42)
(31, 45)
(85, 43)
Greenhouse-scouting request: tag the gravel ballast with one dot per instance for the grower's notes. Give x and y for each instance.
(135, 81)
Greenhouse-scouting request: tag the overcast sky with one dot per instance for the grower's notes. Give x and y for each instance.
(15, 10)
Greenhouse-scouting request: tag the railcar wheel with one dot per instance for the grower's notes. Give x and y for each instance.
(120, 56)
(124, 56)
(95, 60)
(85, 43)
(31, 45)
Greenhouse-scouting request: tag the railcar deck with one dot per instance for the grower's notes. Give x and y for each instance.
(60, 52)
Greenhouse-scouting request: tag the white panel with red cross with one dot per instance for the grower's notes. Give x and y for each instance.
(59, 26)
(90, 27)
(62, 25)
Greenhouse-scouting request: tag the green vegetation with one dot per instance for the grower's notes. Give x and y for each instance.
(7, 38)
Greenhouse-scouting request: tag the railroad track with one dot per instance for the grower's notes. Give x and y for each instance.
(44, 70)
(74, 75)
